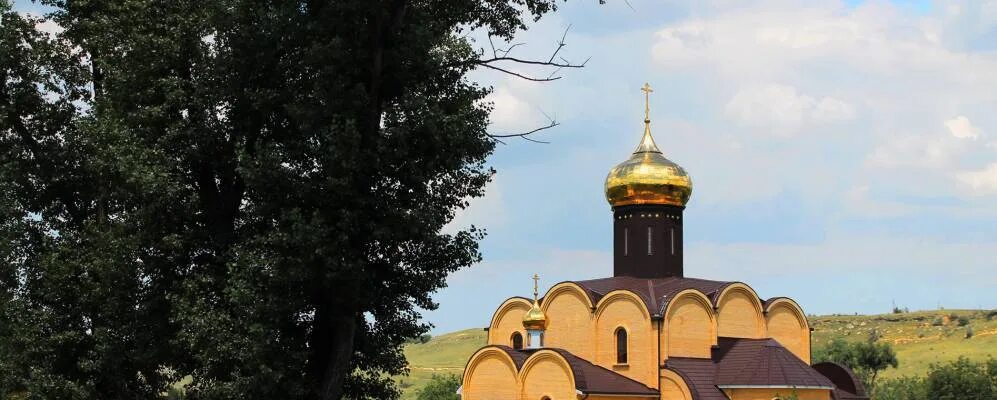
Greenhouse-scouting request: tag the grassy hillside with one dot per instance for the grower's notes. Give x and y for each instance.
(920, 338)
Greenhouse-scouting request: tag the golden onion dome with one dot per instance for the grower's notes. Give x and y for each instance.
(535, 318)
(647, 177)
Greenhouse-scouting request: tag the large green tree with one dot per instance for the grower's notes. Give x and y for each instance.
(250, 193)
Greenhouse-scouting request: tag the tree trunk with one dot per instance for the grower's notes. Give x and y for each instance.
(332, 344)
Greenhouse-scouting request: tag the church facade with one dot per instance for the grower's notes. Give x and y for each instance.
(650, 332)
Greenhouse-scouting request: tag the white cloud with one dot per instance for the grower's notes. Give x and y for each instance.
(485, 212)
(961, 128)
(512, 111)
(44, 25)
(783, 108)
(920, 151)
(980, 182)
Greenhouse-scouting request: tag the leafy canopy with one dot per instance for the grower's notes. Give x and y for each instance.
(250, 194)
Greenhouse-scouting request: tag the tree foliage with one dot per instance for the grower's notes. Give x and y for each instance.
(867, 358)
(249, 193)
(961, 380)
(440, 387)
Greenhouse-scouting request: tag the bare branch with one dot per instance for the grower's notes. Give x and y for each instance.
(525, 135)
(529, 78)
(560, 43)
(494, 53)
(565, 64)
(505, 52)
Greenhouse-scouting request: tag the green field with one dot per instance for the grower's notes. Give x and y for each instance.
(914, 336)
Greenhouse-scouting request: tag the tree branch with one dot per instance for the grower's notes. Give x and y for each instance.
(529, 78)
(525, 135)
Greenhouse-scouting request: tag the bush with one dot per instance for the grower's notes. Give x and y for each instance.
(938, 321)
(961, 380)
(866, 358)
(963, 321)
(904, 388)
(969, 332)
(440, 387)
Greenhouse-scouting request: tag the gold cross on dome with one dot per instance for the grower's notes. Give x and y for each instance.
(647, 101)
(536, 280)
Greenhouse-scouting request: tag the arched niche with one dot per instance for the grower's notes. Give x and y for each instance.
(739, 312)
(490, 375)
(788, 325)
(507, 319)
(690, 325)
(569, 319)
(546, 373)
(623, 309)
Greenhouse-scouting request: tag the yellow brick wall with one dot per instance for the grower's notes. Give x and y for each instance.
(508, 319)
(546, 375)
(770, 394)
(490, 375)
(626, 310)
(740, 315)
(569, 321)
(688, 328)
(786, 327)
(673, 387)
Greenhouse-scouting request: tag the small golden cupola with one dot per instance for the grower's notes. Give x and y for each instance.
(647, 177)
(535, 321)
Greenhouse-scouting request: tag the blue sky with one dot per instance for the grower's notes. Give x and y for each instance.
(843, 153)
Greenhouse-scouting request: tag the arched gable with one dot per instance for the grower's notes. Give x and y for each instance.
(490, 374)
(570, 287)
(673, 386)
(508, 318)
(546, 373)
(739, 312)
(690, 325)
(788, 325)
(627, 310)
(569, 319)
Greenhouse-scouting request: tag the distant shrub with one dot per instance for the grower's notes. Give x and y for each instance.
(440, 387)
(903, 388)
(963, 321)
(938, 321)
(953, 316)
(961, 379)
(969, 332)
(424, 338)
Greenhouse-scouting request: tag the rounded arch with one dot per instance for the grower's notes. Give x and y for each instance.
(739, 312)
(507, 318)
(570, 323)
(622, 295)
(627, 310)
(673, 386)
(788, 325)
(690, 325)
(566, 287)
(546, 373)
(490, 373)
(776, 302)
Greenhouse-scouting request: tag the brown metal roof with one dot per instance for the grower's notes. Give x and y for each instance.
(589, 378)
(655, 292)
(763, 362)
(699, 374)
(746, 363)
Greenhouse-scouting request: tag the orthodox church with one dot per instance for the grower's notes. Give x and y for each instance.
(650, 332)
